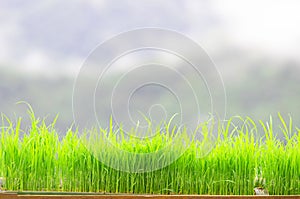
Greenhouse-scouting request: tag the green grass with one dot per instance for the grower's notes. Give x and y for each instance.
(37, 159)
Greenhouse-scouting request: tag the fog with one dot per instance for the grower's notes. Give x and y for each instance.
(254, 46)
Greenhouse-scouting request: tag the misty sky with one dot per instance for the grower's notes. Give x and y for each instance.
(46, 35)
(253, 44)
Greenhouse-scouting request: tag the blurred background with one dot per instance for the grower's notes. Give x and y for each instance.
(254, 44)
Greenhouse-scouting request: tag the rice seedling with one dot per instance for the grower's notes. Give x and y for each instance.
(37, 159)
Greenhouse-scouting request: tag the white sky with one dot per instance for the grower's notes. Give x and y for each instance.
(270, 26)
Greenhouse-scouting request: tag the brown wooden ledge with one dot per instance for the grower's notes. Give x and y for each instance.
(76, 195)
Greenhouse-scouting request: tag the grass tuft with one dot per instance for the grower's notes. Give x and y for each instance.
(38, 160)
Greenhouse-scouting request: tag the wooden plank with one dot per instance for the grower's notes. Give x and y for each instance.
(151, 197)
(40, 195)
(8, 195)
